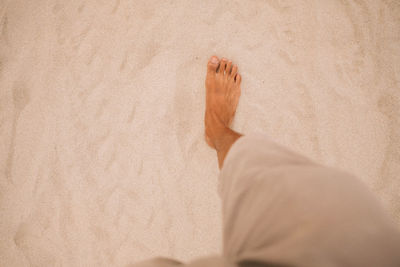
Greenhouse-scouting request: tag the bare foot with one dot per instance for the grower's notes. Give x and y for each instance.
(222, 97)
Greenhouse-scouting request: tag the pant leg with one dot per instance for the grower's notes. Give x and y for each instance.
(157, 262)
(282, 208)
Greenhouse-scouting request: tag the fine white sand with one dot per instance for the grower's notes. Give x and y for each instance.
(103, 160)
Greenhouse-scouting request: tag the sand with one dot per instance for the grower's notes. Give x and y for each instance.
(103, 161)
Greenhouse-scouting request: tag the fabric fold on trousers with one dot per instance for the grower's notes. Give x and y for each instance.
(280, 207)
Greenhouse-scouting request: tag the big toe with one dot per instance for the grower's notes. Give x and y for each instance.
(213, 64)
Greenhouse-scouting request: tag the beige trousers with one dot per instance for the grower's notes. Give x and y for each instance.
(282, 209)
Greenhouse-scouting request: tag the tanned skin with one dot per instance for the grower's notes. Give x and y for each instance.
(222, 97)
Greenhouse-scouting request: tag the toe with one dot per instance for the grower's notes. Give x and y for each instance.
(228, 67)
(212, 64)
(238, 79)
(222, 66)
(234, 71)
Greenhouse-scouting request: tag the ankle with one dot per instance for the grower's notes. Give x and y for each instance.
(223, 144)
(225, 139)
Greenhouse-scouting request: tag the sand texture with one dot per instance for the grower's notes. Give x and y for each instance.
(102, 156)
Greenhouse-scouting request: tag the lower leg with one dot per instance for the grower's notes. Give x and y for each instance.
(224, 144)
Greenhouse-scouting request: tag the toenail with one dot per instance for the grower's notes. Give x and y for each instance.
(214, 60)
